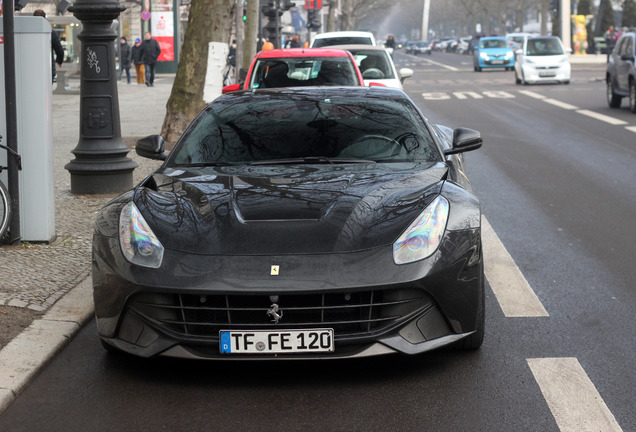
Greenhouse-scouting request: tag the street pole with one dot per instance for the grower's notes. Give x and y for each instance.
(11, 114)
(100, 164)
(566, 37)
(425, 17)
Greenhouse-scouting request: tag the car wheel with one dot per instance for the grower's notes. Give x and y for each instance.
(613, 100)
(632, 95)
(475, 340)
(566, 82)
(517, 80)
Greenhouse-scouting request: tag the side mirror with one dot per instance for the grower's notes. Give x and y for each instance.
(231, 88)
(405, 73)
(519, 51)
(464, 140)
(151, 147)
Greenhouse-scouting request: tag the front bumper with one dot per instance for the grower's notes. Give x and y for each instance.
(150, 312)
(534, 74)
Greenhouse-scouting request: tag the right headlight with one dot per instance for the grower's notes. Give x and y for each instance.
(138, 243)
(422, 238)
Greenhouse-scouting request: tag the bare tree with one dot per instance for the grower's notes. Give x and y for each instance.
(209, 20)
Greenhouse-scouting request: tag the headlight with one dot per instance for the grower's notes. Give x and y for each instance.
(527, 60)
(138, 243)
(483, 55)
(424, 235)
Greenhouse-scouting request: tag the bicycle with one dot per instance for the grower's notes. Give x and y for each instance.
(5, 199)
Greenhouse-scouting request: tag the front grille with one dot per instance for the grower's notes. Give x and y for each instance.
(349, 314)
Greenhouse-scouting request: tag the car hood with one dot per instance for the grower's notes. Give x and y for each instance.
(495, 51)
(547, 60)
(254, 210)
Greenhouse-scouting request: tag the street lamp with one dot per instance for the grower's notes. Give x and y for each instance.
(100, 164)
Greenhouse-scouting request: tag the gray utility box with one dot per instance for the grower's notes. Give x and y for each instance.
(35, 125)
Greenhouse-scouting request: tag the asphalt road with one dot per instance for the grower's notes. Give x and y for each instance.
(556, 181)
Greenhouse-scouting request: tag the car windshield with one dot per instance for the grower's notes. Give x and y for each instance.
(342, 40)
(299, 127)
(373, 64)
(306, 71)
(543, 47)
(494, 43)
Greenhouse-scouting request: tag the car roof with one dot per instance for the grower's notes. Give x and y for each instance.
(493, 38)
(344, 34)
(358, 47)
(361, 91)
(302, 52)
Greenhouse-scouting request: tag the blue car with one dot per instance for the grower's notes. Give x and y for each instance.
(493, 52)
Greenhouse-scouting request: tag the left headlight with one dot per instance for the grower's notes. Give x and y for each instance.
(138, 243)
(483, 55)
(422, 238)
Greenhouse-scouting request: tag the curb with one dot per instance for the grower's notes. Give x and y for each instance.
(23, 357)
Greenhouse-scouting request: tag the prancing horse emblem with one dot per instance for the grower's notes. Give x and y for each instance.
(273, 311)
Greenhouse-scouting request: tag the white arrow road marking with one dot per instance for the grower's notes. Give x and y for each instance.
(515, 296)
(574, 401)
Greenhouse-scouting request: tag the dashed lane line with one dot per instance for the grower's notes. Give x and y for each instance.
(532, 94)
(560, 104)
(572, 397)
(441, 65)
(631, 128)
(602, 117)
(515, 296)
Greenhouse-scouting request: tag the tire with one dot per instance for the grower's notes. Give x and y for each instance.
(632, 96)
(613, 100)
(566, 82)
(5, 211)
(517, 80)
(475, 340)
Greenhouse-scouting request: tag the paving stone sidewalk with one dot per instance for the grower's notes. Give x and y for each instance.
(35, 276)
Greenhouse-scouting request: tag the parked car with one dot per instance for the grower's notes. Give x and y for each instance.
(542, 59)
(343, 38)
(621, 74)
(376, 65)
(295, 67)
(463, 45)
(493, 53)
(313, 222)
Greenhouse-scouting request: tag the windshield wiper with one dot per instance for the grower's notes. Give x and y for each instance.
(310, 160)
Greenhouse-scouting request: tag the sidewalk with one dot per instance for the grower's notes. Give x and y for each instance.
(45, 290)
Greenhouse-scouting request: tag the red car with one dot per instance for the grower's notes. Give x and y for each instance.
(301, 67)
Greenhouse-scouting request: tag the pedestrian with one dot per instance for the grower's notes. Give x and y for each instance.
(151, 51)
(390, 42)
(610, 41)
(295, 43)
(125, 58)
(57, 50)
(138, 60)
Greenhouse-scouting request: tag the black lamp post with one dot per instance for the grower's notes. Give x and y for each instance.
(100, 164)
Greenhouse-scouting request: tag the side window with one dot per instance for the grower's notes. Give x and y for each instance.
(629, 43)
(620, 46)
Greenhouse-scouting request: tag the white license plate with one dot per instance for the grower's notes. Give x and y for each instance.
(497, 62)
(547, 74)
(276, 342)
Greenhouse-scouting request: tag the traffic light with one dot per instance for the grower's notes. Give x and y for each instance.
(313, 19)
(244, 13)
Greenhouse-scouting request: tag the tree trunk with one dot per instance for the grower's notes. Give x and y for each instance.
(331, 20)
(251, 33)
(209, 20)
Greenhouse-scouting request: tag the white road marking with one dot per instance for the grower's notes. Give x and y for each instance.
(574, 401)
(602, 117)
(515, 296)
(442, 65)
(631, 128)
(560, 104)
(464, 95)
(532, 94)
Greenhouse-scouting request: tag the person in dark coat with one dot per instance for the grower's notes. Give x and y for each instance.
(57, 51)
(125, 58)
(138, 61)
(152, 50)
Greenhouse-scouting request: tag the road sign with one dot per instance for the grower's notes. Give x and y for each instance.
(145, 15)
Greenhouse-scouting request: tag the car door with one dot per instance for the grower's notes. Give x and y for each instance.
(624, 62)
